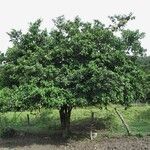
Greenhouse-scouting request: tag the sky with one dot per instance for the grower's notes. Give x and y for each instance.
(17, 14)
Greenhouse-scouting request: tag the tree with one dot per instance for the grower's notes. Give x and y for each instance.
(75, 64)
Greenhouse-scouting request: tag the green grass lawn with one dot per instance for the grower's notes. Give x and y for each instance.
(106, 121)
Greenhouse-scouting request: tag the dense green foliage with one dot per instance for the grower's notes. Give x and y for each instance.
(76, 63)
(144, 62)
(2, 57)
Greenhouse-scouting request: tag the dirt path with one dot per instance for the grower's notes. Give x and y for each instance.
(45, 143)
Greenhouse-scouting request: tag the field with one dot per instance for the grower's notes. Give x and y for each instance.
(42, 128)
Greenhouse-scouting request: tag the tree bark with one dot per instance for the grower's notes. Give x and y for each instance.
(65, 114)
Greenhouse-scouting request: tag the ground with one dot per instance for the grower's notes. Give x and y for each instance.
(43, 131)
(46, 143)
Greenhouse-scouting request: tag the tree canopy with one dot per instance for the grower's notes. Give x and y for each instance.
(144, 63)
(75, 64)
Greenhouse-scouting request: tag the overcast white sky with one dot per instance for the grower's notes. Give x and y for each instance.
(18, 13)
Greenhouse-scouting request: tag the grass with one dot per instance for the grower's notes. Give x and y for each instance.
(107, 123)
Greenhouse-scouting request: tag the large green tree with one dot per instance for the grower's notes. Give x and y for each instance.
(76, 63)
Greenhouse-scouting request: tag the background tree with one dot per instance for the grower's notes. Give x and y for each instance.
(75, 64)
(2, 57)
(2, 61)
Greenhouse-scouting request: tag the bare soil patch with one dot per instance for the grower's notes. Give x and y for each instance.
(43, 142)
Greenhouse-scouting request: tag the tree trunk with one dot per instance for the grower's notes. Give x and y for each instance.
(65, 114)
